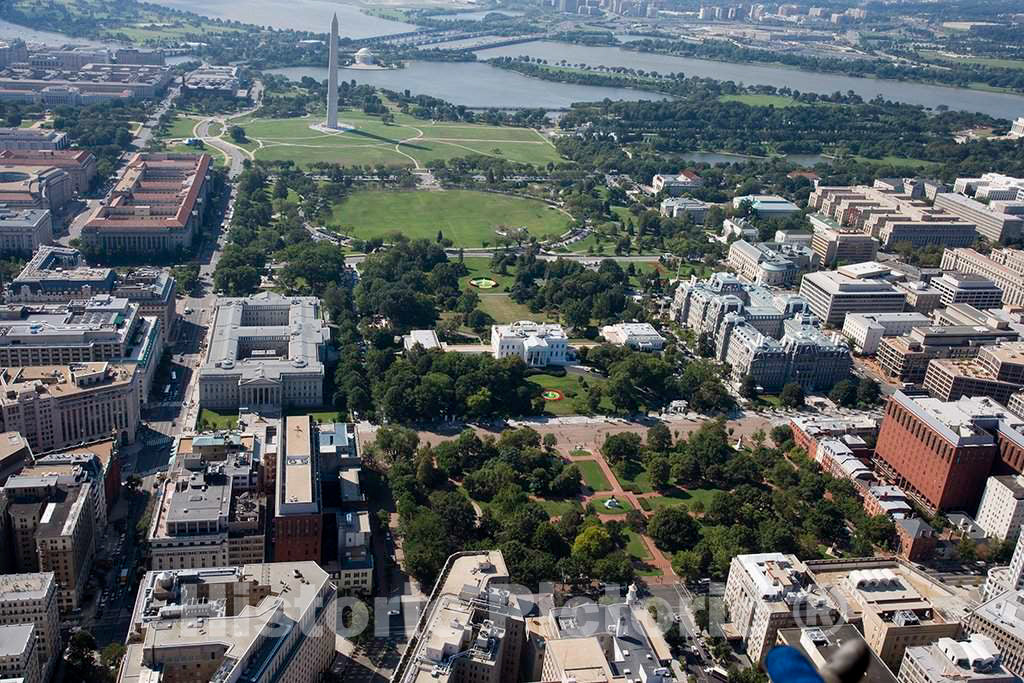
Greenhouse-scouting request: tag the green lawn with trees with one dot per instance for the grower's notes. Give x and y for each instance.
(468, 218)
(593, 475)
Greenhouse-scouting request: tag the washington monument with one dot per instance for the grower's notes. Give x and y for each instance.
(332, 76)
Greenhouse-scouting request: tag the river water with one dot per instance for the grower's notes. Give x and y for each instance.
(474, 84)
(994, 104)
(480, 85)
(298, 15)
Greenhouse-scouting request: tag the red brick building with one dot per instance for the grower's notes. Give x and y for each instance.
(939, 453)
(916, 538)
(298, 514)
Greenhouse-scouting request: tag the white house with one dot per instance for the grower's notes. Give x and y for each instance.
(639, 336)
(537, 344)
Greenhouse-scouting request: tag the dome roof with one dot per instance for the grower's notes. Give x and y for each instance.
(364, 51)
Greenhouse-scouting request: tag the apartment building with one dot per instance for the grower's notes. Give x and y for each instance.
(102, 328)
(809, 431)
(156, 206)
(865, 330)
(967, 288)
(210, 511)
(601, 643)
(264, 623)
(761, 264)
(892, 603)
(819, 646)
(32, 599)
(833, 245)
(265, 350)
(537, 344)
(1003, 268)
(832, 294)
(767, 592)
(298, 521)
(973, 660)
(58, 275)
(1001, 511)
(997, 372)
(354, 571)
(942, 453)
(467, 613)
(1016, 404)
(59, 406)
(905, 358)
(18, 659)
(55, 520)
(992, 225)
(1001, 618)
(891, 216)
(22, 231)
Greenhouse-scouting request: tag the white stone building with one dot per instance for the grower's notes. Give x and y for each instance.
(865, 330)
(638, 336)
(1001, 511)
(537, 344)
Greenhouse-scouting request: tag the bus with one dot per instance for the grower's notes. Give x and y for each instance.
(124, 577)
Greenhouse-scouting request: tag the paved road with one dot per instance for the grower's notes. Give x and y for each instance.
(236, 155)
(146, 132)
(356, 259)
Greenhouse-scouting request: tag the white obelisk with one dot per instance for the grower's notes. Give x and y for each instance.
(332, 76)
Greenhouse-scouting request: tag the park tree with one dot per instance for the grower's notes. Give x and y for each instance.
(792, 395)
(868, 391)
(395, 442)
(672, 528)
(621, 447)
(659, 470)
(844, 393)
(659, 437)
(592, 544)
(748, 387)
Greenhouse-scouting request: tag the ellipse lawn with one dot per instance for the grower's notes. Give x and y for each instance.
(466, 217)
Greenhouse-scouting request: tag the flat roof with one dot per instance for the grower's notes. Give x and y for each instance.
(15, 639)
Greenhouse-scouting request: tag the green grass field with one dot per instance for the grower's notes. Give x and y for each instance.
(181, 127)
(466, 217)
(211, 419)
(408, 141)
(636, 548)
(978, 61)
(559, 507)
(777, 101)
(570, 388)
(593, 475)
(900, 162)
(633, 477)
(504, 310)
(678, 497)
(481, 267)
(598, 505)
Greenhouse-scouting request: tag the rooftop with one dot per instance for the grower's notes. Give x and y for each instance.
(820, 646)
(15, 639)
(17, 587)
